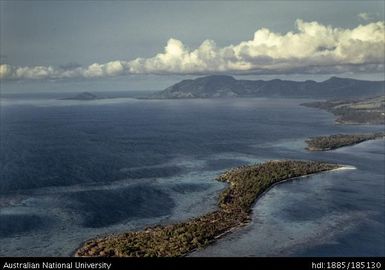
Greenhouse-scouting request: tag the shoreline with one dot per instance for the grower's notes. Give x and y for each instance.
(246, 184)
(362, 111)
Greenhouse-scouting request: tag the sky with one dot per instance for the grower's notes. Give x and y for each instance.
(149, 45)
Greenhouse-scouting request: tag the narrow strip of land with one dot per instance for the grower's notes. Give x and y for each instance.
(246, 183)
(325, 143)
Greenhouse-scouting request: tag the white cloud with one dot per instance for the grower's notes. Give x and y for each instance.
(312, 48)
(364, 16)
(41, 72)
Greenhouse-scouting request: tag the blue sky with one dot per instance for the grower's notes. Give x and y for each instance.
(64, 35)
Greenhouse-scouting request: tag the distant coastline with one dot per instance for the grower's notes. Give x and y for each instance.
(246, 184)
(363, 111)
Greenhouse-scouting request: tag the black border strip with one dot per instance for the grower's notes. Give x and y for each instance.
(244, 263)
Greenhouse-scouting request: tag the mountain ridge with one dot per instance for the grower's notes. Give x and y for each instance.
(217, 86)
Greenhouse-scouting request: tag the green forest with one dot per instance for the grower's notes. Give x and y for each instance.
(324, 143)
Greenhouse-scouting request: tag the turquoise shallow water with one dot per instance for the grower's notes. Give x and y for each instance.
(71, 170)
(338, 213)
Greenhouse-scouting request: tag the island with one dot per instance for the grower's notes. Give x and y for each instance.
(364, 111)
(245, 184)
(325, 143)
(224, 86)
(83, 96)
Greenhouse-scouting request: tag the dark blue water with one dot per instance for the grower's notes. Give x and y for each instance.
(71, 170)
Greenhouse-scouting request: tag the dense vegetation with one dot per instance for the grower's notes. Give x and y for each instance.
(324, 143)
(370, 111)
(246, 183)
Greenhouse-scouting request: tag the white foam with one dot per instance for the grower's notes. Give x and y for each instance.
(345, 167)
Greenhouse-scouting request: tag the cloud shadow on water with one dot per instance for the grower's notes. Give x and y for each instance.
(101, 208)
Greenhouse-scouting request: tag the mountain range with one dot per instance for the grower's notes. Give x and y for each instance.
(217, 86)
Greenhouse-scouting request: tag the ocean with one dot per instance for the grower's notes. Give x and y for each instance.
(73, 170)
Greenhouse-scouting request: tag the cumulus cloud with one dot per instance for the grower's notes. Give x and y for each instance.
(312, 48)
(95, 70)
(364, 16)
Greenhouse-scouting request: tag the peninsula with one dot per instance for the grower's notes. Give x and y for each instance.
(246, 183)
(363, 111)
(325, 143)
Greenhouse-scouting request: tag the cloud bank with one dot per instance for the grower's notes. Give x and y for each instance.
(313, 48)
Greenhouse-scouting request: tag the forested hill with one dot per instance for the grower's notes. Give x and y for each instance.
(216, 86)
